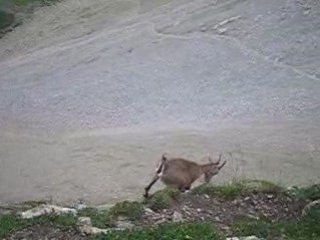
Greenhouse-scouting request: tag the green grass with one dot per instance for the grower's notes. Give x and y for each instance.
(6, 19)
(131, 210)
(99, 219)
(168, 231)
(234, 189)
(11, 223)
(306, 228)
(162, 199)
(310, 192)
(37, 2)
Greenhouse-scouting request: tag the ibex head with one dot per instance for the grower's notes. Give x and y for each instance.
(214, 169)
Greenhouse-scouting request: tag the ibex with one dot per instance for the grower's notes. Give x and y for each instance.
(181, 173)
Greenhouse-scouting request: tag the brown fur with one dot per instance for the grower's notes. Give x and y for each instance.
(181, 173)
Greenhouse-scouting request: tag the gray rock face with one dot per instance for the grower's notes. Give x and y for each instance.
(92, 91)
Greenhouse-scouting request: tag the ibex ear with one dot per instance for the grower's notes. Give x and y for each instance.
(161, 163)
(164, 157)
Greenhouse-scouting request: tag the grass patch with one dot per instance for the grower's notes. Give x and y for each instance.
(99, 219)
(306, 228)
(132, 210)
(6, 19)
(162, 199)
(227, 191)
(22, 3)
(261, 186)
(11, 223)
(308, 193)
(169, 231)
(234, 189)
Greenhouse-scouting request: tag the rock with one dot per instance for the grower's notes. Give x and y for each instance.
(87, 230)
(46, 209)
(177, 217)
(85, 227)
(309, 206)
(244, 238)
(124, 225)
(162, 220)
(206, 196)
(80, 206)
(149, 211)
(306, 12)
(84, 221)
(199, 210)
(247, 198)
(270, 196)
(221, 31)
(203, 29)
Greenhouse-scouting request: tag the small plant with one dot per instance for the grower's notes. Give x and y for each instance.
(250, 226)
(100, 219)
(38, 2)
(261, 186)
(63, 221)
(234, 189)
(177, 231)
(6, 19)
(305, 228)
(228, 191)
(162, 199)
(10, 223)
(310, 192)
(132, 210)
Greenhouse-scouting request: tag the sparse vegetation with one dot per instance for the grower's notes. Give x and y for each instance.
(168, 231)
(100, 219)
(35, 2)
(6, 19)
(10, 223)
(309, 192)
(268, 200)
(131, 210)
(234, 189)
(306, 228)
(9, 9)
(162, 198)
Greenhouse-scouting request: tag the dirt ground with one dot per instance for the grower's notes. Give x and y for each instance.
(222, 213)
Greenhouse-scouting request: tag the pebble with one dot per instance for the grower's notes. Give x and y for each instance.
(177, 217)
(149, 211)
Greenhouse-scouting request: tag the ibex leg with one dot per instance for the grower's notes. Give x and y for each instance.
(147, 188)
